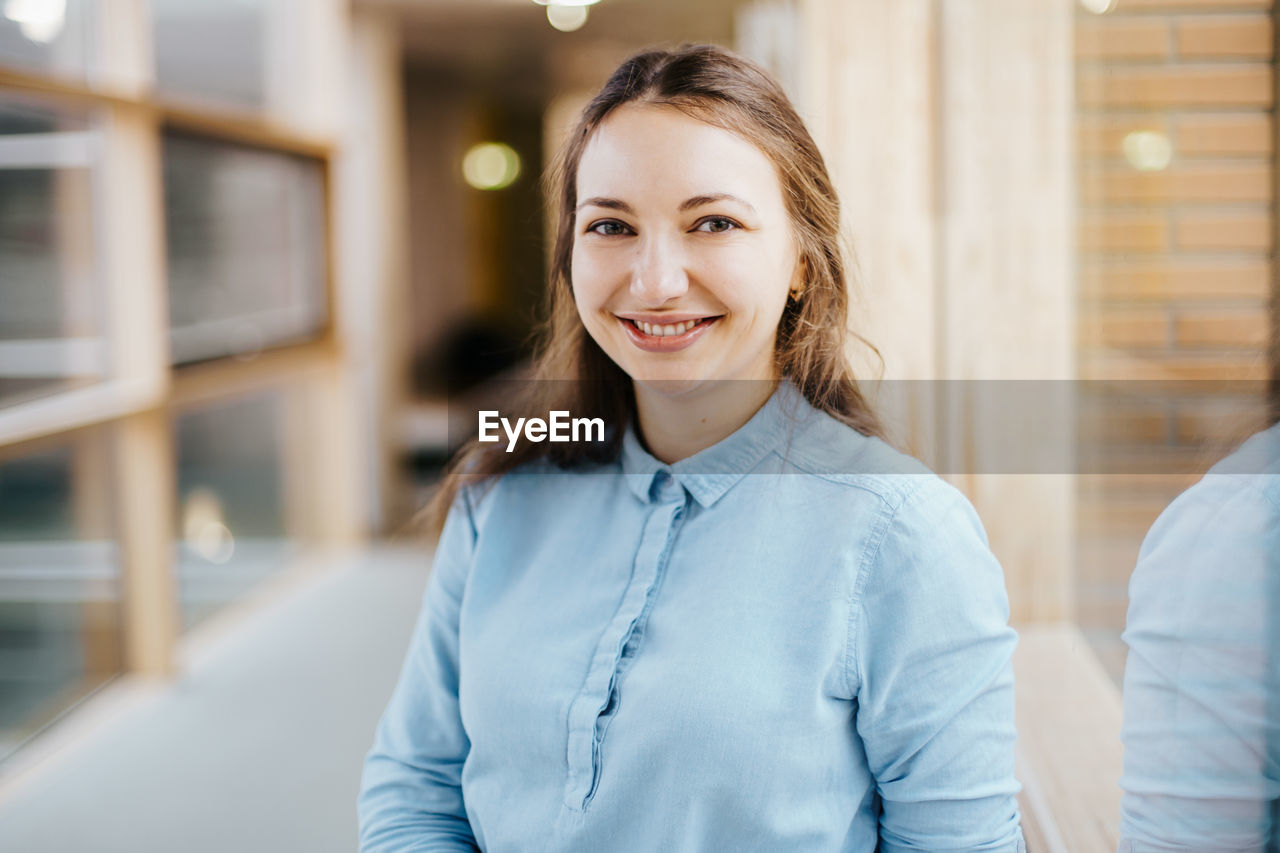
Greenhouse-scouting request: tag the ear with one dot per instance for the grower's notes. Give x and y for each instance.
(795, 290)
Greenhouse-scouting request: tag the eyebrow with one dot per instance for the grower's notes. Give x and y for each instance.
(687, 204)
(700, 200)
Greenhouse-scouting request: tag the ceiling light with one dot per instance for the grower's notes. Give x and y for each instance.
(566, 19)
(41, 21)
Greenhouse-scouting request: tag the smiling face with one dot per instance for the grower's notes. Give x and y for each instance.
(683, 249)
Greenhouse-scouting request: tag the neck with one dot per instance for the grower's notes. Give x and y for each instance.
(676, 426)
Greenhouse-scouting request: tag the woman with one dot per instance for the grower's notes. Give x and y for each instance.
(741, 622)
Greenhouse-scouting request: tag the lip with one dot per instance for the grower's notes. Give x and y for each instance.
(666, 343)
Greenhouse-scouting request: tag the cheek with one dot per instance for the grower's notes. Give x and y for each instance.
(756, 286)
(588, 281)
(579, 287)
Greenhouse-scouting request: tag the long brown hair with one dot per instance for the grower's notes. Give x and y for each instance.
(716, 86)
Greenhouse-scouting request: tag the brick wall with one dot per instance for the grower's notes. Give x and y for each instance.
(1175, 258)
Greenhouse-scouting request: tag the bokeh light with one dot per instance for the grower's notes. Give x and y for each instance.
(491, 166)
(40, 20)
(1147, 150)
(566, 18)
(204, 527)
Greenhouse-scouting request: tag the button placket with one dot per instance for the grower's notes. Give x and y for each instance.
(591, 711)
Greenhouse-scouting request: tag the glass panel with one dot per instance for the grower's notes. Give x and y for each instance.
(1176, 213)
(246, 247)
(232, 501)
(51, 332)
(60, 631)
(212, 50)
(47, 35)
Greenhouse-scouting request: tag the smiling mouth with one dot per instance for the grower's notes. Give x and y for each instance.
(664, 337)
(657, 330)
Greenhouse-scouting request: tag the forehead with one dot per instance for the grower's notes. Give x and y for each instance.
(655, 152)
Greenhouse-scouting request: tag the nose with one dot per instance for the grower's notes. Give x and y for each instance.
(658, 274)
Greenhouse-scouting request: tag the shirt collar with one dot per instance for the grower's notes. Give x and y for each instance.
(710, 473)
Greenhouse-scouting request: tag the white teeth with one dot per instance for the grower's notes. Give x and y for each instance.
(660, 331)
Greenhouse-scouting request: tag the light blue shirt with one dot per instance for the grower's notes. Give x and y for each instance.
(796, 639)
(1202, 680)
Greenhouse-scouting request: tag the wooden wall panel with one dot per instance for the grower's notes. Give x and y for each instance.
(948, 129)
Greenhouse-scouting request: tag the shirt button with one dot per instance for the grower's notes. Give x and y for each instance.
(663, 485)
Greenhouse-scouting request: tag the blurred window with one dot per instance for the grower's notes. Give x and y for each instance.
(100, 265)
(246, 247)
(51, 335)
(212, 50)
(231, 490)
(60, 634)
(51, 36)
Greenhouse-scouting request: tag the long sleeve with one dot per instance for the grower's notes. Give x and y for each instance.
(411, 791)
(932, 675)
(1201, 768)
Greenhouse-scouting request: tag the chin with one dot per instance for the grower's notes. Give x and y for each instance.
(671, 385)
(670, 379)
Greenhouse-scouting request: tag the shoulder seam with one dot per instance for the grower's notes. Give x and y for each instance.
(870, 557)
(892, 497)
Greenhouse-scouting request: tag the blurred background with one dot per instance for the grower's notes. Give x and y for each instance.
(248, 248)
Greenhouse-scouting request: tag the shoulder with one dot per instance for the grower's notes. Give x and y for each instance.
(901, 518)
(1252, 471)
(1238, 494)
(847, 461)
(1231, 517)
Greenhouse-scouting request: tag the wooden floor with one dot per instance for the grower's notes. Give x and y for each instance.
(1069, 749)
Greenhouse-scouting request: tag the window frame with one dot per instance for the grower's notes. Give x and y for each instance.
(142, 392)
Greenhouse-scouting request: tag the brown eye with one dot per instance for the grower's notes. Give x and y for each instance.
(717, 225)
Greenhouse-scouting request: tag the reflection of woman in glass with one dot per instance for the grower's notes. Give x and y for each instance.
(742, 622)
(1202, 680)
